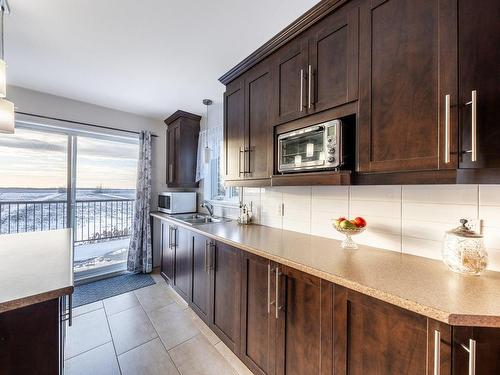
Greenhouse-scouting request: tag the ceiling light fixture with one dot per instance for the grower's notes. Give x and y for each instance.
(206, 102)
(7, 120)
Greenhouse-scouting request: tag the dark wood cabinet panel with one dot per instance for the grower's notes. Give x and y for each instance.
(290, 84)
(305, 324)
(487, 351)
(258, 129)
(183, 130)
(183, 266)
(479, 60)
(29, 340)
(200, 285)
(234, 129)
(225, 301)
(408, 65)
(333, 60)
(258, 322)
(373, 337)
(167, 251)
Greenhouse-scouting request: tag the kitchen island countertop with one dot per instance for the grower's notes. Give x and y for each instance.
(35, 267)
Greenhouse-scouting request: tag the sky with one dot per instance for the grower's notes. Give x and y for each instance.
(31, 159)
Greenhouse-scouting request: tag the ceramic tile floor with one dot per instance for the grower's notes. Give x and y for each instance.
(147, 331)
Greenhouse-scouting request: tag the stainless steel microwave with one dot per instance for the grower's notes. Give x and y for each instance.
(316, 147)
(174, 202)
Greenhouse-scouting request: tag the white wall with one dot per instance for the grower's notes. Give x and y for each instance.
(409, 219)
(40, 103)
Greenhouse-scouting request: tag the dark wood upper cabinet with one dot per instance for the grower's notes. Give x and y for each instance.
(183, 266)
(332, 74)
(183, 130)
(305, 323)
(408, 65)
(225, 299)
(200, 285)
(258, 322)
(234, 129)
(290, 84)
(478, 34)
(258, 156)
(168, 245)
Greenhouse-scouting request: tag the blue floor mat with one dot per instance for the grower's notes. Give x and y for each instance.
(98, 290)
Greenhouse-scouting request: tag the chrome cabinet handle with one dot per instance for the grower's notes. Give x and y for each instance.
(212, 255)
(239, 161)
(447, 120)
(276, 302)
(473, 104)
(472, 356)
(301, 106)
(170, 173)
(268, 288)
(437, 352)
(309, 82)
(207, 267)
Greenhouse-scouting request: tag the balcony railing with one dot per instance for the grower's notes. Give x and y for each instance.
(95, 220)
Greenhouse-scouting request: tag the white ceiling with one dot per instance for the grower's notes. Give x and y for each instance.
(149, 57)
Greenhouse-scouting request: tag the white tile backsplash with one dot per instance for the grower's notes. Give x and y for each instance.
(410, 219)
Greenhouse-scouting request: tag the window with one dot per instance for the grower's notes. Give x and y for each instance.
(213, 185)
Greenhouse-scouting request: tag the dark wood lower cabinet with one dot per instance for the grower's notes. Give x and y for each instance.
(279, 320)
(487, 351)
(202, 270)
(183, 267)
(167, 244)
(373, 337)
(225, 301)
(305, 323)
(258, 321)
(32, 339)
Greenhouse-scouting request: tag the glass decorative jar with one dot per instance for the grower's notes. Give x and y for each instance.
(464, 251)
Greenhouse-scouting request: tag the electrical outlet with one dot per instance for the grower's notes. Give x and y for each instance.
(474, 224)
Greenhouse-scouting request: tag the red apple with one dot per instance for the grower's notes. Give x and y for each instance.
(360, 222)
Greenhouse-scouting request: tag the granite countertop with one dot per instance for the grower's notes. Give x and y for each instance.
(422, 285)
(35, 267)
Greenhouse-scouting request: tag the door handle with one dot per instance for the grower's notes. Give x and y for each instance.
(170, 173)
(447, 121)
(472, 356)
(437, 352)
(473, 104)
(207, 267)
(269, 303)
(301, 105)
(309, 83)
(276, 303)
(212, 255)
(239, 161)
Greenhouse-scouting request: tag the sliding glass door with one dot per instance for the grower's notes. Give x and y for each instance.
(106, 171)
(33, 181)
(53, 178)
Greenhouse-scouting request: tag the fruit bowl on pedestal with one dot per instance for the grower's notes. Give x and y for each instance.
(349, 228)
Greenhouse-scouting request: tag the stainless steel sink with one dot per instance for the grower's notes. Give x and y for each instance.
(197, 219)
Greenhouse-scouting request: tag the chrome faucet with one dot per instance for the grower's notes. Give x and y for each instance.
(209, 206)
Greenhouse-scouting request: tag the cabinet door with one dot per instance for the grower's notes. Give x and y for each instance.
(376, 338)
(234, 130)
(333, 61)
(290, 83)
(167, 251)
(225, 301)
(305, 330)
(200, 290)
(487, 353)
(258, 129)
(479, 31)
(183, 269)
(408, 65)
(258, 322)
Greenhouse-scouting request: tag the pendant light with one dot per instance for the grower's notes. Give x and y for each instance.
(206, 154)
(7, 120)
